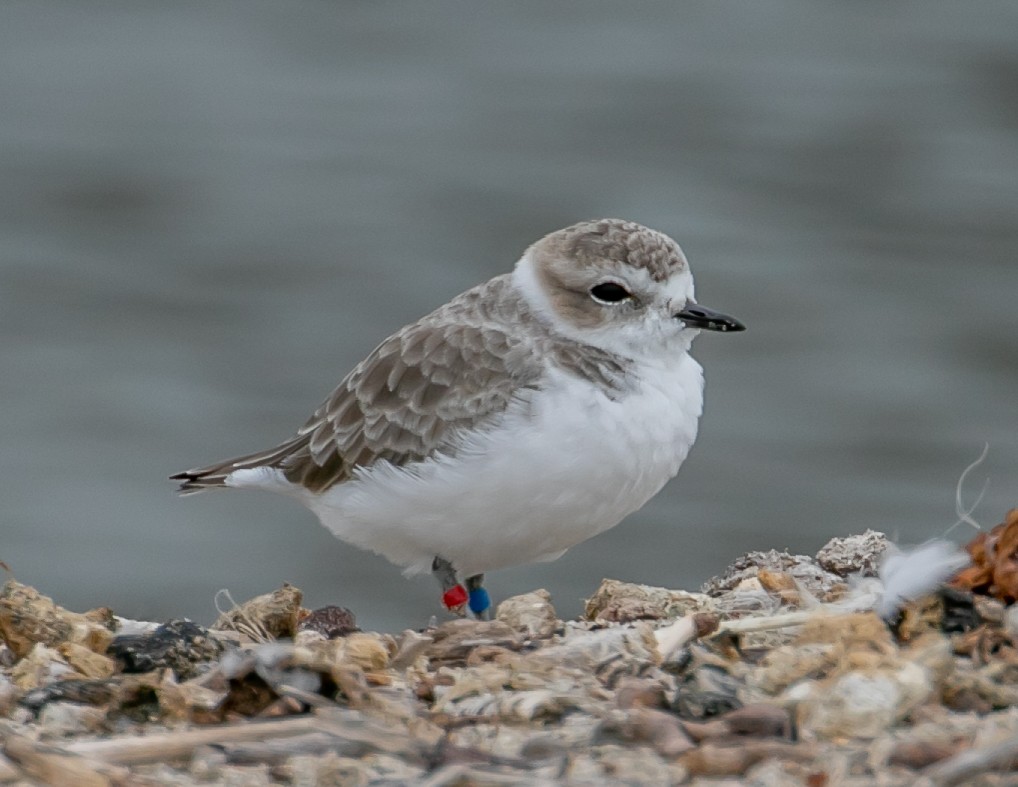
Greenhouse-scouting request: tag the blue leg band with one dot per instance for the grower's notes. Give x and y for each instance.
(479, 600)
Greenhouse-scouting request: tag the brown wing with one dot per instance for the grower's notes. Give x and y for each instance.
(408, 399)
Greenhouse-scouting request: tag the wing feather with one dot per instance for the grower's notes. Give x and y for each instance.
(416, 391)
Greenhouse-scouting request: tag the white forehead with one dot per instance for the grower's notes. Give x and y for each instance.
(678, 286)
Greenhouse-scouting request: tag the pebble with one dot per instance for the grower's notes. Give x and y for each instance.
(530, 614)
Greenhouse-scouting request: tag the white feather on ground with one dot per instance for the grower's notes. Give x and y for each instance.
(904, 575)
(911, 574)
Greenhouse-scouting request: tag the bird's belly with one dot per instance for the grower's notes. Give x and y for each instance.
(566, 466)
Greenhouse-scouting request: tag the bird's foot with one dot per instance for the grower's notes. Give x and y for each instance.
(458, 599)
(455, 600)
(454, 595)
(477, 597)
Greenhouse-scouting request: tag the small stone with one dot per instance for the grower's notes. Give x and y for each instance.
(330, 622)
(639, 693)
(454, 640)
(859, 554)
(179, 645)
(27, 617)
(990, 610)
(85, 661)
(531, 614)
(706, 692)
(916, 754)
(662, 730)
(762, 720)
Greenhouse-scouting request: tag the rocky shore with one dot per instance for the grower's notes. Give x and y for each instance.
(777, 672)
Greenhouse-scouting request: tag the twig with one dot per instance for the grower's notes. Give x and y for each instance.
(862, 603)
(674, 637)
(180, 745)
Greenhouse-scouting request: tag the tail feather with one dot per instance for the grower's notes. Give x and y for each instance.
(215, 475)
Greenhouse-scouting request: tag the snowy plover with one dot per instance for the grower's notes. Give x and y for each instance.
(526, 415)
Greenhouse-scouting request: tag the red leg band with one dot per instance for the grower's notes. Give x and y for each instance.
(454, 597)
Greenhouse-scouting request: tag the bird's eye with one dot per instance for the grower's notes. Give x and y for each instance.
(609, 292)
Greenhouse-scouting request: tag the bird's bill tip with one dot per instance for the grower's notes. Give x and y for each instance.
(696, 316)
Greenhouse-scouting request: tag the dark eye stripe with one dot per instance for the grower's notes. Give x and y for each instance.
(609, 292)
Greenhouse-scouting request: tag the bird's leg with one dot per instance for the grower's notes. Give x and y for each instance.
(454, 595)
(477, 597)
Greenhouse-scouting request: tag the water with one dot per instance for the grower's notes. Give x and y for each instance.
(210, 213)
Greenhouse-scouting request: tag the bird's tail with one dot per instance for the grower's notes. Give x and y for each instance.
(215, 475)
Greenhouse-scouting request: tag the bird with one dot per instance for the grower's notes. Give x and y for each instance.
(523, 417)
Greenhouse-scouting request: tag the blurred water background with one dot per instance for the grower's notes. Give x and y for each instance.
(210, 212)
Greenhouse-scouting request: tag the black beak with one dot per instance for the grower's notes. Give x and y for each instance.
(697, 316)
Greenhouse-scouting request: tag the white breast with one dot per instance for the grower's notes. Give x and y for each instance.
(563, 467)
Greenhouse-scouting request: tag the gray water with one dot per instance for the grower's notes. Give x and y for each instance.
(210, 212)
